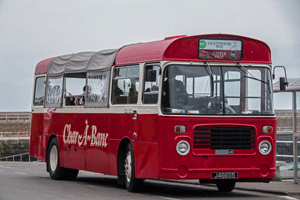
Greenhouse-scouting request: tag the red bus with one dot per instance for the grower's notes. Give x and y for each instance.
(186, 107)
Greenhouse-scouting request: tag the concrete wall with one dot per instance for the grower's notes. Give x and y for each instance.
(14, 133)
(15, 126)
(13, 146)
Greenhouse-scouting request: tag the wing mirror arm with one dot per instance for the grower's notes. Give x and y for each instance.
(282, 80)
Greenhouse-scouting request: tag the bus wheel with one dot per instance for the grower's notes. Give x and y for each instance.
(225, 185)
(55, 170)
(132, 183)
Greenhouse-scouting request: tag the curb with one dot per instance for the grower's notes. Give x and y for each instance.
(265, 191)
(238, 188)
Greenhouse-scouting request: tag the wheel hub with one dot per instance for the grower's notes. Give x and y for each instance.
(128, 166)
(53, 158)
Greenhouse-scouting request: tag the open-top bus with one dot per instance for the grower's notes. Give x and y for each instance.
(186, 107)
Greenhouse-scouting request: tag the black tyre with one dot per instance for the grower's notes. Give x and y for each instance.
(132, 184)
(225, 185)
(55, 170)
(70, 174)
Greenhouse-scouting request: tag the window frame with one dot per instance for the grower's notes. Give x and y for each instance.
(72, 75)
(221, 81)
(34, 93)
(98, 104)
(56, 105)
(144, 82)
(114, 77)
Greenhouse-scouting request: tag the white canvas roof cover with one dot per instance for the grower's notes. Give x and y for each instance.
(82, 62)
(294, 85)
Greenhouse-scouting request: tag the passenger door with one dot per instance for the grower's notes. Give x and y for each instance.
(74, 129)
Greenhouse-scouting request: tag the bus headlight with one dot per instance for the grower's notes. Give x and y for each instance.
(183, 148)
(265, 147)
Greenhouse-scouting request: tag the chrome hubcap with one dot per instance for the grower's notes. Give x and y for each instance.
(53, 158)
(128, 166)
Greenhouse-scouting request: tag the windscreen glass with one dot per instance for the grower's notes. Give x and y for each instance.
(217, 90)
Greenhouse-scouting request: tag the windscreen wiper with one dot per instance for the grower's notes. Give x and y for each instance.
(252, 77)
(256, 79)
(209, 70)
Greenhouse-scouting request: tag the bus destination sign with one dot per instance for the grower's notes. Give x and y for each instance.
(220, 49)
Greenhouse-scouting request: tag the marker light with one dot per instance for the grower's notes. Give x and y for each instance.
(267, 129)
(179, 129)
(183, 148)
(265, 147)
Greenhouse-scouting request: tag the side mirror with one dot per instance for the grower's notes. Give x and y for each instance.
(151, 75)
(283, 83)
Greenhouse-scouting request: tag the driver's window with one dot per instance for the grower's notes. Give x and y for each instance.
(151, 84)
(39, 91)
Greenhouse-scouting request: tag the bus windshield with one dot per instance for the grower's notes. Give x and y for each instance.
(217, 90)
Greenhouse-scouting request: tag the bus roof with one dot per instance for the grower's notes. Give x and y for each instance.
(182, 48)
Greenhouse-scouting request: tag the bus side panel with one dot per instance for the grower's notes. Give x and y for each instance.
(167, 151)
(112, 155)
(72, 152)
(96, 152)
(121, 126)
(36, 132)
(147, 145)
(52, 126)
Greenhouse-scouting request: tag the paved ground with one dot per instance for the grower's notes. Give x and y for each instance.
(31, 181)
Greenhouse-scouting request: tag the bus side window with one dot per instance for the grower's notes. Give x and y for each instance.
(125, 85)
(97, 93)
(39, 91)
(151, 84)
(54, 92)
(75, 89)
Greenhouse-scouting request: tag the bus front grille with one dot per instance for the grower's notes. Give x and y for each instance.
(224, 137)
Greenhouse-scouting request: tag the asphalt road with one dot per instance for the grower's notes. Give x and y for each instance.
(31, 181)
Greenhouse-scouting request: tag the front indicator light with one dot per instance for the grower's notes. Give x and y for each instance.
(183, 148)
(265, 147)
(267, 129)
(179, 129)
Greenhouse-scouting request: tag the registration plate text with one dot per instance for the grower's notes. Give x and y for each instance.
(224, 175)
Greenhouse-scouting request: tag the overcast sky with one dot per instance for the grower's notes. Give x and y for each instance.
(32, 30)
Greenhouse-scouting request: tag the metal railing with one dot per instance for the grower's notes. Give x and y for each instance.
(14, 134)
(284, 129)
(285, 113)
(20, 156)
(286, 142)
(15, 116)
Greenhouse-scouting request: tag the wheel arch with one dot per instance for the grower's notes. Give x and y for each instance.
(121, 160)
(49, 140)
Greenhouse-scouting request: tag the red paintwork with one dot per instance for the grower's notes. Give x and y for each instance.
(186, 49)
(200, 163)
(155, 147)
(181, 48)
(41, 67)
(97, 159)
